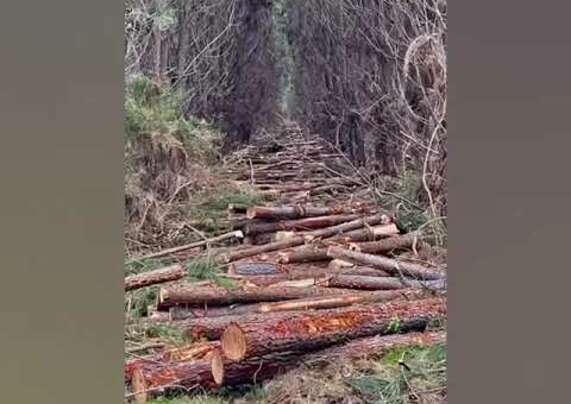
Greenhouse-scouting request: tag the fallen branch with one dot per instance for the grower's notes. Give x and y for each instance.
(217, 239)
(167, 274)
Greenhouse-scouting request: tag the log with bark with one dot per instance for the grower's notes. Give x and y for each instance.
(314, 330)
(255, 369)
(368, 233)
(217, 239)
(187, 367)
(392, 266)
(302, 238)
(381, 283)
(300, 224)
(167, 274)
(296, 212)
(211, 326)
(384, 245)
(210, 295)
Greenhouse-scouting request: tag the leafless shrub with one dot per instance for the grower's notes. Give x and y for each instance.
(371, 76)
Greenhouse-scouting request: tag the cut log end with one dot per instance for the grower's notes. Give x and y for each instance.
(139, 386)
(163, 295)
(217, 365)
(234, 342)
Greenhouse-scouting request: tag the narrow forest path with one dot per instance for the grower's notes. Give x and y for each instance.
(320, 265)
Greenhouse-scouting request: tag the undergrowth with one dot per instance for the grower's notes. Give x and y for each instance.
(400, 195)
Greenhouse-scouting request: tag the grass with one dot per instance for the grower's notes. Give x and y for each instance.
(144, 265)
(402, 375)
(399, 376)
(150, 111)
(209, 210)
(401, 196)
(202, 399)
(208, 269)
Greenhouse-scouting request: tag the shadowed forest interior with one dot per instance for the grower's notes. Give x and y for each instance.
(285, 201)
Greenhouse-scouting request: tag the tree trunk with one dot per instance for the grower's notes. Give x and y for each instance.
(221, 296)
(167, 274)
(384, 245)
(392, 266)
(222, 237)
(369, 233)
(299, 225)
(256, 369)
(314, 330)
(380, 283)
(295, 212)
(188, 366)
(300, 239)
(318, 253)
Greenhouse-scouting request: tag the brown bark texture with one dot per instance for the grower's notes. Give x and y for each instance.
(167, 274)
(392, 266)
(255, 369)
(221, 296)
(314, 330)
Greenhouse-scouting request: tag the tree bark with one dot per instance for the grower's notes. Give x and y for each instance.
(318, 253)
(381, 283)
(167, 274)
(221, 296)
(188, 367)
(222, 237)
(295, 212)
(384, 245)
(368, 233)
(301, 239)
(314, 330)
(299, 225)
(389, 265)
(255, 369)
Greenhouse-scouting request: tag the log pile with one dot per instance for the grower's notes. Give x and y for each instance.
(313, 281)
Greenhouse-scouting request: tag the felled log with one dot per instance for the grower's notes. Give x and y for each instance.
(294, 212)
(212, 328)
(255, 369)
(183, 312)
(313, 330)
(300, 224)
(339, 301)
(253, 268)
(186, 366)
(167, 274)
(147, 382)
(389, 265)
(220, 296)
(217, 239)
(301, 239)
(384, 245)
(369, 233)
(381, 283)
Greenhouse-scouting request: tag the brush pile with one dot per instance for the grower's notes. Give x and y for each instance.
(320, 275)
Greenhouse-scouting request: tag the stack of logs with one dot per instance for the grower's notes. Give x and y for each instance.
(312, 284)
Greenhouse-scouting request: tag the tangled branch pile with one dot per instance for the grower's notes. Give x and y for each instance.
(371, 76)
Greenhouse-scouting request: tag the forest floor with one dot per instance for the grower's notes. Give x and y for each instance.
(288, 169)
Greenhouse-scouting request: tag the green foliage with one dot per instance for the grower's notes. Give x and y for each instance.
(208, 269)
(138, 301)
(152, 111)
(394, 325)
(401, 372)
(211, 208)
(144, 265)
(165, 332)
(199, 399)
